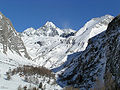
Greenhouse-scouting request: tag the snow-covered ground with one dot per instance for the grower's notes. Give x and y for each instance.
(12, 61)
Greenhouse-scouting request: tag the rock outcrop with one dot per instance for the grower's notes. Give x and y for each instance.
(113, 55)
(9, 39)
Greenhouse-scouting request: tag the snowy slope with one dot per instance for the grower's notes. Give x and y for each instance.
(92, 28)
(51, 50)
(13, 61)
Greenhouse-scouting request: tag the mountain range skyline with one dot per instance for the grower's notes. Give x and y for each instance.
(64, 14)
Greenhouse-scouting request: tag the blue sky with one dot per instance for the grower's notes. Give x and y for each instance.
(64, 13)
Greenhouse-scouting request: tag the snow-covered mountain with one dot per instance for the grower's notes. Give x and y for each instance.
(49, 29)
(50, 49)
(16, 64)
(98, 65)
(91, 28)
(22, 54)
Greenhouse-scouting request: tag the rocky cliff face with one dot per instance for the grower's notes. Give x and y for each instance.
(102, 56)
(113, 54)
(9, 39)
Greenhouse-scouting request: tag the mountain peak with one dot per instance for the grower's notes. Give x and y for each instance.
(29, 31)
(110, 16)
(50, 24)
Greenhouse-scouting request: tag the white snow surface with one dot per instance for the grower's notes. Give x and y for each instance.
(11, 61)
